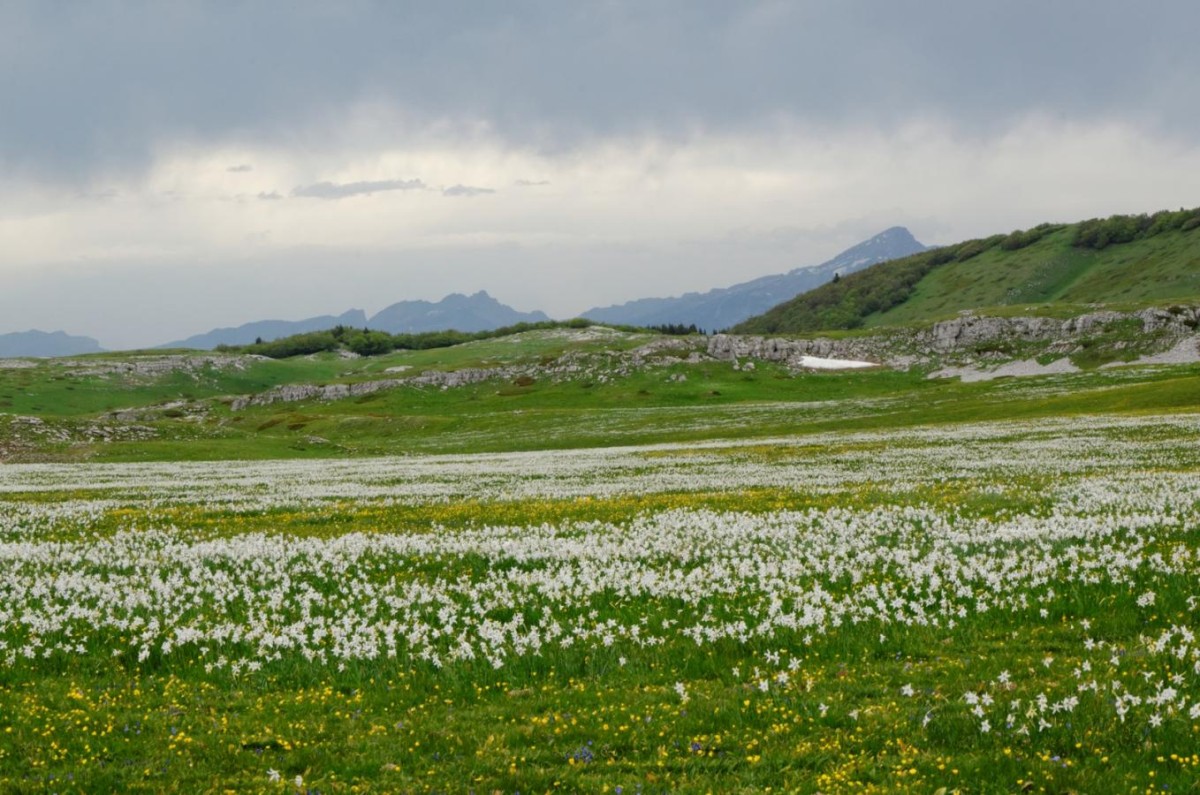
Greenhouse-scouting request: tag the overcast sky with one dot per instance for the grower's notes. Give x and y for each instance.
(168, 167)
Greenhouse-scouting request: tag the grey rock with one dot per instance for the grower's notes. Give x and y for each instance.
(970, 330)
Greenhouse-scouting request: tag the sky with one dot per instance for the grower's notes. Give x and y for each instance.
(167, 167)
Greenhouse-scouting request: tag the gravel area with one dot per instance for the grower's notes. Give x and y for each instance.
(1018, 369)
(1186, 351)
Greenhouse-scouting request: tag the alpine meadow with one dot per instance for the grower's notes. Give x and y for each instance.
(683, 397)
(955, 555)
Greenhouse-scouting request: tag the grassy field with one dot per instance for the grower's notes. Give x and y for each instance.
(985, 607)
(675, 577)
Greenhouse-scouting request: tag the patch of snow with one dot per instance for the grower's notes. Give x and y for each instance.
(817, 363)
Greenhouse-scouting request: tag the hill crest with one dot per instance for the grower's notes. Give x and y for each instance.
(1122, 260)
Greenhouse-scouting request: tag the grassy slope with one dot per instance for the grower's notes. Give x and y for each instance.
(1038, 277)
(76, 386)
(1162, 268)
(71, 388)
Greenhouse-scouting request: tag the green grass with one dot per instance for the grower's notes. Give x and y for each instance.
(594, 718)
(1161, 268)
(70, 388)
(644, 406)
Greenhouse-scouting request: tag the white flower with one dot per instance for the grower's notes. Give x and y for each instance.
(907, 690)
(272, 775)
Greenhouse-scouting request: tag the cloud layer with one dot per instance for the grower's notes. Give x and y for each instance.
(559, 155)
(333, 190)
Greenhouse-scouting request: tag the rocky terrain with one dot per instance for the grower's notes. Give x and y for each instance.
(969, 346)
(973, 343)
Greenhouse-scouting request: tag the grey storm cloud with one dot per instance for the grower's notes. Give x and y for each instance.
(104, 84)
(241, 168)
(466, 190)
(334, 190)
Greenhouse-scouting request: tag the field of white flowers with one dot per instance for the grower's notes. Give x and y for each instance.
(1027, 593)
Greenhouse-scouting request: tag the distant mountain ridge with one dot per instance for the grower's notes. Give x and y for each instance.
(712, 310)
(478, 312)
(267, 330)
(726, 306)
(40, 344)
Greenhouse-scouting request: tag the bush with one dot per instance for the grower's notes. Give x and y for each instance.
(970, 250)
(295, 345)
(1019, 240)
(675, 329)
(1099, 233)
(370, 343)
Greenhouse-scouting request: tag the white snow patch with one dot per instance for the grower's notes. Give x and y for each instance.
(817, 363)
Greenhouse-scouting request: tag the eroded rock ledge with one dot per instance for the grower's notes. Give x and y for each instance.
(965, 334)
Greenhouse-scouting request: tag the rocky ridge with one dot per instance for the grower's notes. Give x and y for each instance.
(972, 339)
(153, 366)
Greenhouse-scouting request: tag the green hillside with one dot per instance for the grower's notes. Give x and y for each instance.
(1122, 260)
